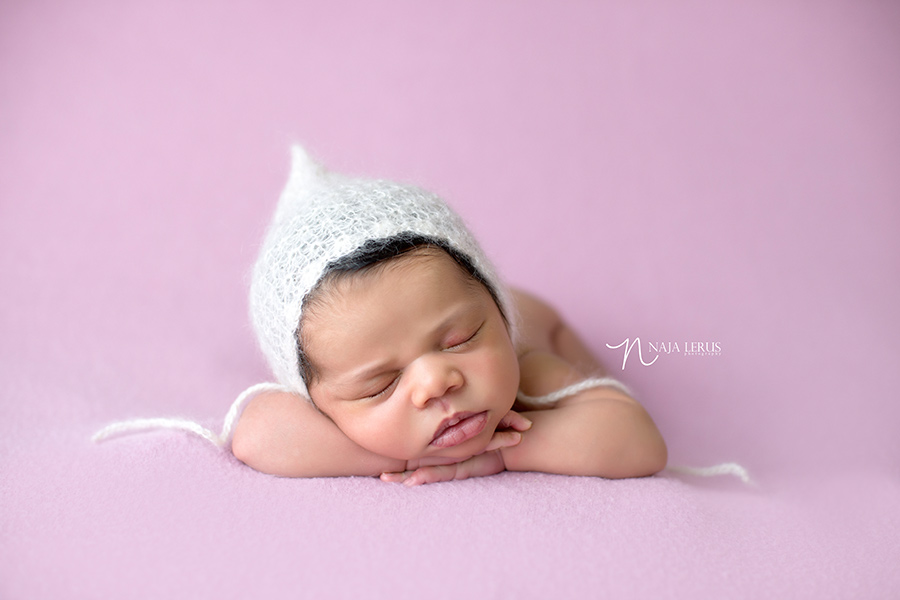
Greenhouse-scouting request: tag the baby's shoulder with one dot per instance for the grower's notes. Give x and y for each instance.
(542, 373)
(538, 322)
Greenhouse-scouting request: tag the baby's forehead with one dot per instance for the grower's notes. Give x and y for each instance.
(428, 278)
(418, 301)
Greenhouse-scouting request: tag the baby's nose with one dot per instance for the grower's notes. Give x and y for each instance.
(434, 377)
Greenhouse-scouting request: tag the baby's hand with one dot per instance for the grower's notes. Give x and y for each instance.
(508, 431)
(489, 462)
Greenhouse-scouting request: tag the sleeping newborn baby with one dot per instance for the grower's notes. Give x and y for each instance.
(399, 353)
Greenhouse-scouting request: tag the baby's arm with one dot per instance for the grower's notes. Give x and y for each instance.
(283, 434)
(600, 432)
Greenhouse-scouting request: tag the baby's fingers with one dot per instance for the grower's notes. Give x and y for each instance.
(431, 475)
(424, 475)
(503, 439)
(396, 477)
(514, 420)
(477, 466)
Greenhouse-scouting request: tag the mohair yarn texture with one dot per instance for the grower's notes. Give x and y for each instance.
(324, 216)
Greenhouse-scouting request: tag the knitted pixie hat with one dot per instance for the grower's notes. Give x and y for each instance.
(322, 217)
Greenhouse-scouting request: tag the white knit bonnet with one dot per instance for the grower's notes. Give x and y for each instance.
(322, 217)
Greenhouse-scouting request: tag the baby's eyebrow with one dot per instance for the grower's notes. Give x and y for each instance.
(366, 373)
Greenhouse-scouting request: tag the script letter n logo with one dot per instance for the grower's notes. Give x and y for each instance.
(629, 346)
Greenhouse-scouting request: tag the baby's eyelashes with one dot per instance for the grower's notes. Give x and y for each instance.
(386, 390)
(461, 343)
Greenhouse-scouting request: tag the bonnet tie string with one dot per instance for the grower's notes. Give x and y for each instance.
(222, 440)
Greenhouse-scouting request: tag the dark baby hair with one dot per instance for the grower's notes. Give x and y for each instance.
(373, 254)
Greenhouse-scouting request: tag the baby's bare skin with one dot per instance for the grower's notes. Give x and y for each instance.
(598, 432)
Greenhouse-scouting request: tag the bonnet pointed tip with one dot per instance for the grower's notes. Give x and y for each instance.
(303, 174)
(302, 164)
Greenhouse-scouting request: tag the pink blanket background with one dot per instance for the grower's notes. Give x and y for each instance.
(717, 173)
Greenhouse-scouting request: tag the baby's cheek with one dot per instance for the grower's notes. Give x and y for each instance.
(505, 372)
(385, 434)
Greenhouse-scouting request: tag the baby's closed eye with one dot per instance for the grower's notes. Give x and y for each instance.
(384, 389)
(458, 342)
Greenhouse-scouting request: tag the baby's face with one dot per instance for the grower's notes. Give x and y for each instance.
(412, 360)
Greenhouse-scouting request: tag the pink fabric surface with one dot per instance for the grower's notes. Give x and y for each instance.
(722, 174)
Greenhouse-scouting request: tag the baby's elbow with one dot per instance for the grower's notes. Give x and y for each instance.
(252, 443)
(649, 455)
(245, 445)
(656, 456)
(643, 455)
